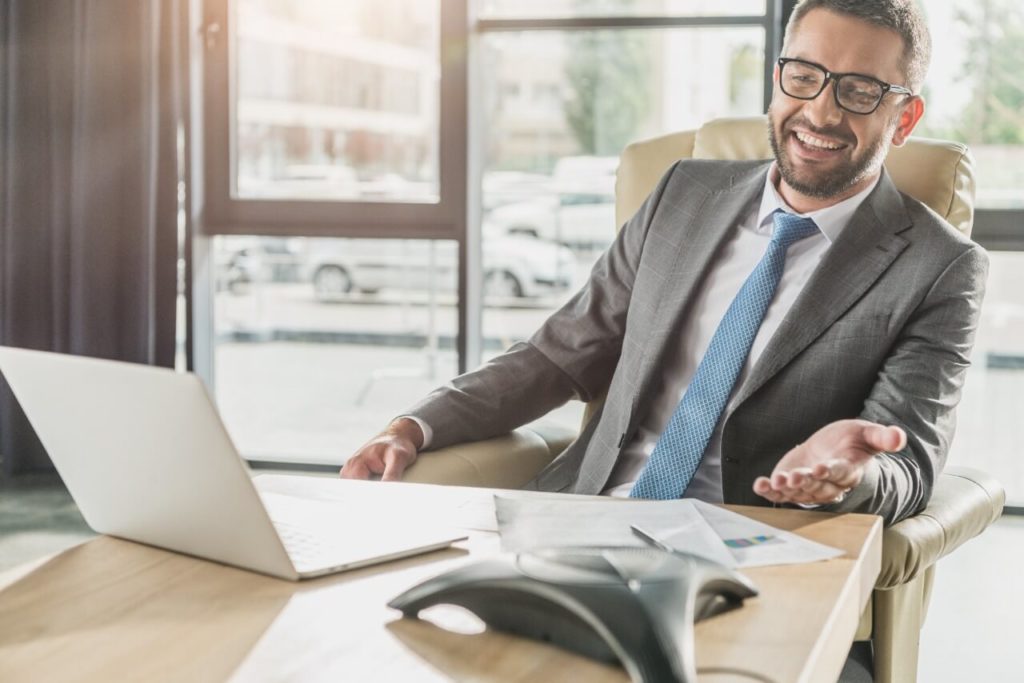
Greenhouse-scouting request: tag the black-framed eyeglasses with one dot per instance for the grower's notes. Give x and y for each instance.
(856, 93)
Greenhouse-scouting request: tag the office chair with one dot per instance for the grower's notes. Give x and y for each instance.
(964, 502)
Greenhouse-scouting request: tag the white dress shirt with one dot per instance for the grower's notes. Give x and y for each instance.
(723, 282)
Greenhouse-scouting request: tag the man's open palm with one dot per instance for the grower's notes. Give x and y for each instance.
(830, 463)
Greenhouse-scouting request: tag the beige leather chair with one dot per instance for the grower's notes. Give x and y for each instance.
(965, 501)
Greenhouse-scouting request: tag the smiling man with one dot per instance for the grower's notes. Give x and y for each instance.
(824, 154)
(794, 331)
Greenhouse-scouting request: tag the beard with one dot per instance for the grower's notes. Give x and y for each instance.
(825, 184)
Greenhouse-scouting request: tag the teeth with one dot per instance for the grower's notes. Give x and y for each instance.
(812, 141)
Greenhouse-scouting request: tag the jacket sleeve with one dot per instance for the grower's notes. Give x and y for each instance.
(918, 389)
(572, 355)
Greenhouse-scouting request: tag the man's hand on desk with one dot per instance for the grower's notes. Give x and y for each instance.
(822, 469)
(387, 454)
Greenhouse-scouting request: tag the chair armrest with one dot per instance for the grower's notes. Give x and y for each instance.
(964, 503)
(504, 462)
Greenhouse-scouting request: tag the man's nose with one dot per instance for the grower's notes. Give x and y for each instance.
(822, 111)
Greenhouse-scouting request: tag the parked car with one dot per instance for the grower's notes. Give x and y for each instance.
(515, 267)
(582, 220)
(243, 260)
(576, 207)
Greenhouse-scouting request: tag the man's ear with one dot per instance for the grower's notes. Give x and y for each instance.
(913, 110)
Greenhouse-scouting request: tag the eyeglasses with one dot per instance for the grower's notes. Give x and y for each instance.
(856, 93)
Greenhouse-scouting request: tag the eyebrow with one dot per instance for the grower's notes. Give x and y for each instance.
(838, 73)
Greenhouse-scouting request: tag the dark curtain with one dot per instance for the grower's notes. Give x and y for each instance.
(89, 120)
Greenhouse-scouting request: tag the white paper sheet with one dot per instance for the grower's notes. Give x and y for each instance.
(782, 547)
(688, 525)
(527, 524)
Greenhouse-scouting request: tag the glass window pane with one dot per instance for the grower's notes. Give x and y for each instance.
(336, 100)
(559, 108)
(319, 341)
(974, 93)
(505, 9)
(990, 429)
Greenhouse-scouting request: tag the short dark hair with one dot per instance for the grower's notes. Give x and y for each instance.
(902, 16)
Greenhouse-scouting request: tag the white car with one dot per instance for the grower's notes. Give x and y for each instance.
(581, 220)
(514, 266)
(241, 261)
(575, 206)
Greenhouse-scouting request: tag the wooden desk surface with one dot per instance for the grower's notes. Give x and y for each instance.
(112, 610)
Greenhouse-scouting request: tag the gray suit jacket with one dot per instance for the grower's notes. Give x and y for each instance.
(882, 330)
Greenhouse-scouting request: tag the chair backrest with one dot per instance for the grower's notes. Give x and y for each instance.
(936, 172)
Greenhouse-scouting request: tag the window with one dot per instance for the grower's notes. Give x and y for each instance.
(989, 431)
(348, 113)
(328, 118)
(318, 341)
(974, 95)
(549, 166)
(368, 231)
(335, 193)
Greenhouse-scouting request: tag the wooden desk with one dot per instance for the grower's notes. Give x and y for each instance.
(111, 610)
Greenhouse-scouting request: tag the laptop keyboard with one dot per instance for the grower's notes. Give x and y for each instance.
(307, 548)
(320, 535)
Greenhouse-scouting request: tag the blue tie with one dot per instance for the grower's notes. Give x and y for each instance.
(681, 446)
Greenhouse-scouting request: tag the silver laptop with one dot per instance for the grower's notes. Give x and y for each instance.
(146, 458)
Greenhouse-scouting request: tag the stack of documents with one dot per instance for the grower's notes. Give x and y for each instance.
(687, 525)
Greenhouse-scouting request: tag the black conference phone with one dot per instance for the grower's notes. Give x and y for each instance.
(631, 605)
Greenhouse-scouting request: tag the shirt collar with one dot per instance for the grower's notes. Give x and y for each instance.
(831, 220)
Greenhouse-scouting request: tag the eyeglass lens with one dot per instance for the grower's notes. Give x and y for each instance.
(806, 81)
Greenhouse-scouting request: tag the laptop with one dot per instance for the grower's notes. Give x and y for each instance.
(146, 457)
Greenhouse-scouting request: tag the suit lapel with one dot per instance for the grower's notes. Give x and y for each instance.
(863, 251)
(719, 213)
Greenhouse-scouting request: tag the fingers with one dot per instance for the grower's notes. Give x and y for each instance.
(800, 486)
(825, 493)
(387, 454)
(831, 462)
(804, 479)
(395, 462)
(842, 473)
(763, 488)
(361, 465)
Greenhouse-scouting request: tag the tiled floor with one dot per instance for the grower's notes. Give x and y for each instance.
(972, 631)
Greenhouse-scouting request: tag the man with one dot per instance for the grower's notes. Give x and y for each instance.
(767, 333)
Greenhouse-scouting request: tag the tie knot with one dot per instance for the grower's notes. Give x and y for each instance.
(790, 228)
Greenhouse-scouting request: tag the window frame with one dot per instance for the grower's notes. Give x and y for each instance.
(227, 215)
(999, 229)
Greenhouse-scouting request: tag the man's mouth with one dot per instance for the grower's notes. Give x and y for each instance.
(816, 146)
(815, 141)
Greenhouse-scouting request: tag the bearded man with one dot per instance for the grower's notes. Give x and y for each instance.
(794, 331)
